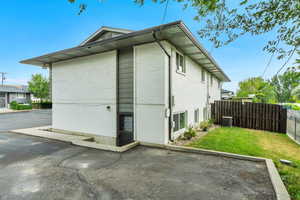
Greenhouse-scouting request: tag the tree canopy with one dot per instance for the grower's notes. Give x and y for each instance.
(283, 88)
(285, 84)
(224, 21)
(258, 87)
(39, 86)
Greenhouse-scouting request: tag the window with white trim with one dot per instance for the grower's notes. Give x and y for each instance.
(196, 115)
(211, 80)
(180, 121)
(180, 63)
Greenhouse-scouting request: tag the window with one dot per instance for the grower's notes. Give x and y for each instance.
(196, 117)
(180, 120)
(211, 80)
(176, 122)
(173, 100)
(203, 75)
(180, 63)
(204, 113)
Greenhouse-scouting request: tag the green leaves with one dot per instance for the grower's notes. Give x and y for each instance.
(285, 84)
(257, 86)
(39, 86)
(279, 89)
(228, 20)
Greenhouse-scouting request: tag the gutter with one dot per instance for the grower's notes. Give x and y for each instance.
(170, 84)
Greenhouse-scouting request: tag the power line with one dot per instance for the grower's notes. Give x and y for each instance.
(269, 62)
(286, 62)
(165, 12)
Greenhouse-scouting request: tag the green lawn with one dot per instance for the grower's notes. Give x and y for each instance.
(258, 143)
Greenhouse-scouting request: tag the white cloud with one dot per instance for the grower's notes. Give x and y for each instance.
(12, 81)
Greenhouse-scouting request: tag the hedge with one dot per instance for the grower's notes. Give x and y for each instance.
(15, 106)
(42, 105)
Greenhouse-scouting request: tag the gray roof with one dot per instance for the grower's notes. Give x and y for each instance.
(104, 29)
(14, 88)
(176, 33)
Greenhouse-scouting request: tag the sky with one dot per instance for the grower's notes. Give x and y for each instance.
(32, 28)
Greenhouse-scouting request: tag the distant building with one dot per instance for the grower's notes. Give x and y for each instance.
(9, 93)
(227, 94)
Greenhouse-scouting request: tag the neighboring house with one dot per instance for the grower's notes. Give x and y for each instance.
(146, 85)
(227, 94)
(9, 93)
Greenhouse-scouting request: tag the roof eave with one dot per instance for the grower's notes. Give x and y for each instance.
(40, 61)
(185, 29)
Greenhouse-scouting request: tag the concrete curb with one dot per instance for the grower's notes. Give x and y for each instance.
(105, 147)
(280, 190)
(83, 141)
(278, 186)
(12, 112)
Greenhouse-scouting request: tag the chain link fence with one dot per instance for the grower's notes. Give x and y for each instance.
(293, 125)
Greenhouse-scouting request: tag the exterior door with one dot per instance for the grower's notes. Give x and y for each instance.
(125, 120)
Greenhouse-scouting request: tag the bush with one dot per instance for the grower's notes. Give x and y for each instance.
(42, 105)
(205, 125)
(211, 121)
(15, 106)
(189, 133)
(292, 106)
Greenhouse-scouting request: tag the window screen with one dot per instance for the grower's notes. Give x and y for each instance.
(180, 120)
(196, 115)
(180, 63)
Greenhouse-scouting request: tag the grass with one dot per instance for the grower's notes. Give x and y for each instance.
(258, 143)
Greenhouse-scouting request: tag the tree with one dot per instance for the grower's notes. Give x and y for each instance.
(39, 86)
(285, 84)
(296, 93)
(224, 21)
(257, 86)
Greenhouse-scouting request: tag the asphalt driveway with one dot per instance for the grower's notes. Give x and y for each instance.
(9, 121)
(35, 168)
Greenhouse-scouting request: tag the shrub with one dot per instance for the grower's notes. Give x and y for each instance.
(211, 122)
(292, 106)
(42, 105)
(15, 106)
(24, 107)
(189, 133)
(204, 125)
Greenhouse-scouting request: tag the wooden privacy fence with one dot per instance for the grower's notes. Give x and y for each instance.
(260, 116)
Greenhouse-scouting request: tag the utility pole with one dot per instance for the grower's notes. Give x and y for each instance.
(3, 77)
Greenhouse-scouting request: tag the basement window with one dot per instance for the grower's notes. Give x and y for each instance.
(180, 63)
(196, 115)
(180, 121)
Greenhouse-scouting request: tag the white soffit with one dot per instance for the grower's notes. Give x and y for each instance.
(176, 33)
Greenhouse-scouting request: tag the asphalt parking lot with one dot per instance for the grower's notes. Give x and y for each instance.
(36, 168)
(30, 119)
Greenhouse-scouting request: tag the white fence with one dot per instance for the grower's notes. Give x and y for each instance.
(293, 125)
